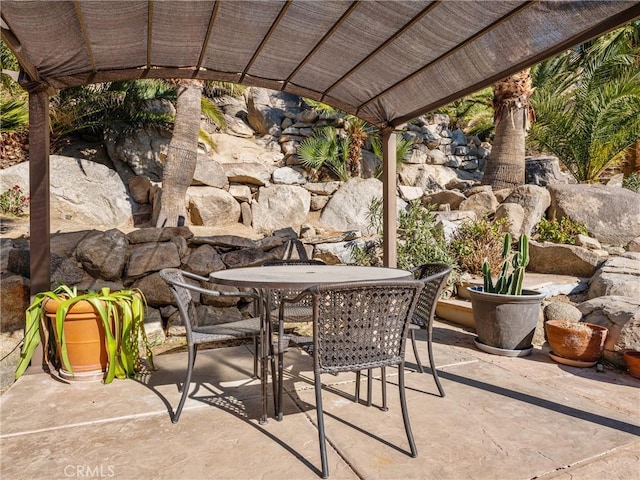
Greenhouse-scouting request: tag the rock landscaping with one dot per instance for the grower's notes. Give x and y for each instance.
(254, 182)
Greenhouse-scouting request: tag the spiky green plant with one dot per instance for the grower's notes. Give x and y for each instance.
(509, 282)
(121, 313)
(326, 149)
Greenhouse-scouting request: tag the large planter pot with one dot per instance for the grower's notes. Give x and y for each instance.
(505, 324)
(84, 338)
(578, 344)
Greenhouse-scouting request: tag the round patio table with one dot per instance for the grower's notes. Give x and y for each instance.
(296, 277)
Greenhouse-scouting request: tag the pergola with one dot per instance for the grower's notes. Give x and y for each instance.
(383, 61)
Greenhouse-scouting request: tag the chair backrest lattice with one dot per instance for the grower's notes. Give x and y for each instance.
(434, 277)
(360, 326)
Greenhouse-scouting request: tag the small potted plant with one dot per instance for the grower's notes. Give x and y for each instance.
(579, 344)
(505, 314)
(87, 335)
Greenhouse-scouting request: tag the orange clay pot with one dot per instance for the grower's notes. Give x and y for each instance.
(632, 359)
(85, 340)
(583, 342)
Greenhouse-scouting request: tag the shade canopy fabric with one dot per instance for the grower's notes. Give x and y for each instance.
(383, 61)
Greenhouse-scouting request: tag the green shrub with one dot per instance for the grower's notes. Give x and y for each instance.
(476, 241)
(560, 231)
(13, 202)
(420, 239)
(632, 182)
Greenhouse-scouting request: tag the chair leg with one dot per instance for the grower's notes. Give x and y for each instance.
(185, 384)
(434, 372)
(415, 350)
(280, 370)
(369, 387)
(256, 353)
(383, 371)
(405, 413)
(321, 437)
(357, 395)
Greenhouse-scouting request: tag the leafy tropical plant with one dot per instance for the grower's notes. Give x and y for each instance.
(122, 316)
(404, 146)
(587, 102)
(560, 231)
(326, 149)
(472, 113)
(509, 282)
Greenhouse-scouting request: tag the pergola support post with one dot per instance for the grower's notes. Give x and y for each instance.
(389, 211)
(39, 214)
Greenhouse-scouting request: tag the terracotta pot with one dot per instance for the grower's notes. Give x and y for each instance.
(580, 341)
(85, 340)
(632, 359)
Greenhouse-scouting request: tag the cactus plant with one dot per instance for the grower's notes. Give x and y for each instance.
(512, 271)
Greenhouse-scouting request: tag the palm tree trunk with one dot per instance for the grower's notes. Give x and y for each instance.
(182, 154)
(512, 115)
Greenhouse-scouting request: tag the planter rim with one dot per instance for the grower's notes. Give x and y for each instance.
(527, 295)
(557, 323)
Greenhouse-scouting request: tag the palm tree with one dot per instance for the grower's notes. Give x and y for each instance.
(513, 115)
(182, 154)
(587, 102)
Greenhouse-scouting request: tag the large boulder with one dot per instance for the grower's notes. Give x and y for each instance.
(212, 206)
(482, 203)
(144, 150)
(559, 259)
(105, 255)
(431, 178)
(266, 108)
(231, 149)
(152, 257)
(611, 214)
(621, 316)
(534, 200)
(280, 206)
(81, 191)
(543, 171)
(13, 302)
(210, 173)
(348, 209)
(618, 276)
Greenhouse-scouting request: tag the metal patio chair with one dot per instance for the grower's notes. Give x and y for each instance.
(434, 277)
(182, 291)
(358, 326)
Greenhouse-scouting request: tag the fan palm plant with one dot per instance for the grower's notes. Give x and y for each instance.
(587, 103)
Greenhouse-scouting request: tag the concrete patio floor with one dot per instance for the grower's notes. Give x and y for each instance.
(502, 418)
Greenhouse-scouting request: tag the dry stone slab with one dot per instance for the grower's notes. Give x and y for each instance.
(611, 214)
(204, 260)
(155, 290)
(279, 206)
(562, 259)
(82, 191)
(431, 178)
(451, 197)
(618, 276)
(209, 172)
(152, 257)
(534, 200)
(105, 255)
(348, 208)
(149, 235)
(212, 206)
(621, 316)
(515, 216)
(253, 173)
(482, 203)
(288, 176)
(140, 188)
